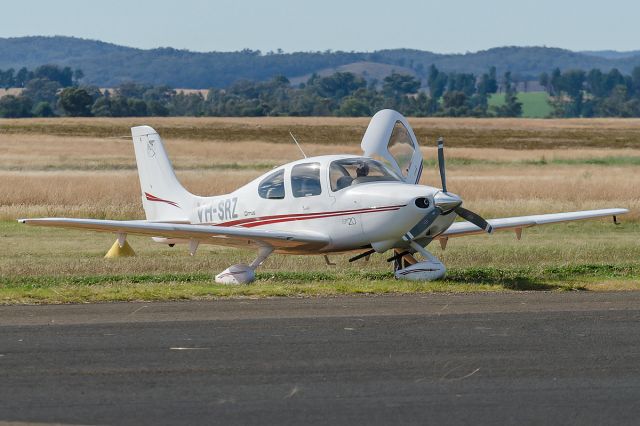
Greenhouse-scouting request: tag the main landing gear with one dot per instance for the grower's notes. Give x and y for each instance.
(241, 273)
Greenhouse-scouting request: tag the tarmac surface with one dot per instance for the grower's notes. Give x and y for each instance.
(515, 358)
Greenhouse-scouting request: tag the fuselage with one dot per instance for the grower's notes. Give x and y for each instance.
(310, 195)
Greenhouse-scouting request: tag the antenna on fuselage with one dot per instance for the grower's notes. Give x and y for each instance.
(299, 147)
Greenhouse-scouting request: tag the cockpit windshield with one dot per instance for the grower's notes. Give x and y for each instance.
(353, 171)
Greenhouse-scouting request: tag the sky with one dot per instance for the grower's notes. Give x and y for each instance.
(445, 26)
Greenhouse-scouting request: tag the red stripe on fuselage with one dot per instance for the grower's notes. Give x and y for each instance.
(267, 220)
(315, 216)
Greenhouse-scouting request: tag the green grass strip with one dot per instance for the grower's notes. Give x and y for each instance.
(482, 275)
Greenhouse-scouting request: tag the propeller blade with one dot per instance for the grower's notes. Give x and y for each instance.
(424, 223)
(443, 176)
(474, 218)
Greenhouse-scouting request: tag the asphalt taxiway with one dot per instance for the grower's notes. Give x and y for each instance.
(516, 358)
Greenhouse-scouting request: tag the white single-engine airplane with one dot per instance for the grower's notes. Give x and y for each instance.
(318, 205)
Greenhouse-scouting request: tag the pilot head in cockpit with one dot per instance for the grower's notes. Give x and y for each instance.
(362, 170)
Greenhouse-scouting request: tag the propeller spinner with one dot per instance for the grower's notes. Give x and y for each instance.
(445, 203)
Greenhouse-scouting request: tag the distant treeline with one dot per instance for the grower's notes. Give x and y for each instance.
(576, 93)
(53, 91)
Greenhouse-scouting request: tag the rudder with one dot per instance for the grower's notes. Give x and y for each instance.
(163, 197)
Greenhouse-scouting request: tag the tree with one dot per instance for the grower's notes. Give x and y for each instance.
(454, 99)
(422, 105)
(618, 104)
(191, 104)
(396, 85)
(554, 81)
(77, 76)
(131, 90)
(454, 104)
(336, 86)
(22, 77)
(42, 90)
(571, 83)
(437, 82)
(487, 86)
(635, 82)
(136, 108)
(161, 94)
(7, 78)
(63, 76)
(354, 106)
(512, 107)
(15, 106)
(462, 82)
(596, 83)
(488, 83)
(76, 102)
(545, 81)
(158, 109)
(43, 109)
(102, 107)
(613, 79)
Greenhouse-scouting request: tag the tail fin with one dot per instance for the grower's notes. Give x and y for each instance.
(163, 197)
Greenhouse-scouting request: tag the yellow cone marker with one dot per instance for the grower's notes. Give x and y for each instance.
(117, 251)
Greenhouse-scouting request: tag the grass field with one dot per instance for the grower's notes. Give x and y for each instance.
(534, 104)
(65, 167)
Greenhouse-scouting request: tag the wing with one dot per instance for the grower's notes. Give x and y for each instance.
(281, 241)
(460, 229)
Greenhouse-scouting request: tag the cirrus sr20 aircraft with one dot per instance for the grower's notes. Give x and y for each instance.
(329, 204)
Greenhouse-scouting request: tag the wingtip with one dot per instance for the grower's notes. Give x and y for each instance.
(22, 220)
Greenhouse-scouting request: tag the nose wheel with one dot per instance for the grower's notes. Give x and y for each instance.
(406, 267)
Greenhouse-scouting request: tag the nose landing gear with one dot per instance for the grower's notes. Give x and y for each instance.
(407, 267)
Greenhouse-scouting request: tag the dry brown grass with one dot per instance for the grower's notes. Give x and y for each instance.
(493, 192)
(512, 155)
(45, 174)
(38, 152)
(46, 152)
(86, 168)
(461, 132)
(101, 194)
(522, 190)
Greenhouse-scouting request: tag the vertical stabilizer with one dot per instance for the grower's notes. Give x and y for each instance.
(163, 197)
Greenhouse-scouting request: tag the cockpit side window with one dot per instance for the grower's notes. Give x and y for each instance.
(353, 171)
(272, 187)
(305, 180)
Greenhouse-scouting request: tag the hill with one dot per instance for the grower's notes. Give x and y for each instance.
(372, 71)
(612, 54)
(107, 65)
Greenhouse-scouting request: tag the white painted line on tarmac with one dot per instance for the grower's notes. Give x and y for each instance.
(187, 349)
